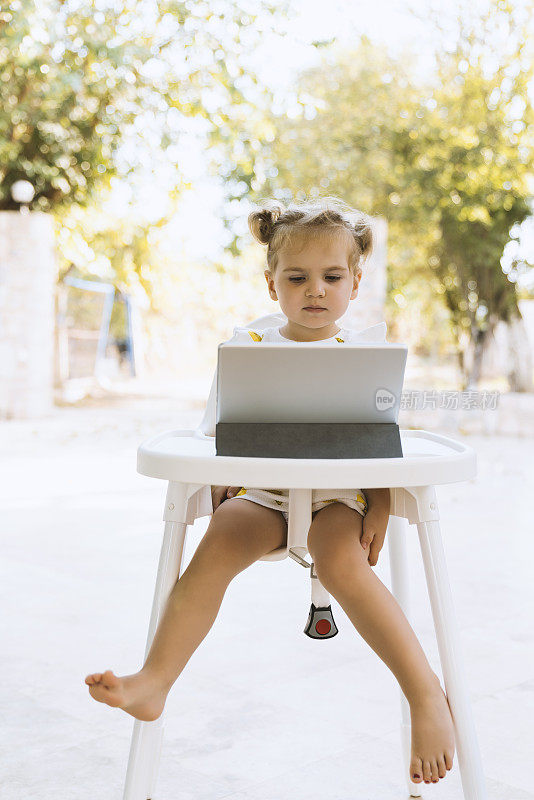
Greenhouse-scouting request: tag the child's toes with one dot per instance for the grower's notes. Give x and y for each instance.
(95, 677)
(416, 770)
(442, 769)
(448, 760)
(435, 773)
(110, 680)
(427, 772)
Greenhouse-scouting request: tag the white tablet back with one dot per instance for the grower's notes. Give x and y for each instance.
(309, 382)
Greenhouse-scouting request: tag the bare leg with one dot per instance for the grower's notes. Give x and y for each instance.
(342, 567)
(239, 533)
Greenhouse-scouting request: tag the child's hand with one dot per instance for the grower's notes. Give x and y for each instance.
(375, 522)
(221, 493)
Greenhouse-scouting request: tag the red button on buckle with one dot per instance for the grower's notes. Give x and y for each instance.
(322, 627)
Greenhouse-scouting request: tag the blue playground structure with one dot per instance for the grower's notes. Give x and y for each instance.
(111, 295)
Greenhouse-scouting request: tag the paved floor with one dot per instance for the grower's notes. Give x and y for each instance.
(261, 712)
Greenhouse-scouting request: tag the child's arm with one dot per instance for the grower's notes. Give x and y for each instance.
(375, 522)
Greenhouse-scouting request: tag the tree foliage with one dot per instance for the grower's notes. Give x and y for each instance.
(445, 158)
(479, 184)
(77, 81)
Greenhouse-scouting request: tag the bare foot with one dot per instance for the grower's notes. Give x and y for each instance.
(432, 737)
(137, 694)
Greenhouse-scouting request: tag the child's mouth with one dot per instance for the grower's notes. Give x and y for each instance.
(314, 310)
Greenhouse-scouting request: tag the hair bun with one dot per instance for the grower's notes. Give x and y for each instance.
(364, 231)
(261, 222)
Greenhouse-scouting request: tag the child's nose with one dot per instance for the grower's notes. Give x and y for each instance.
(316, 289)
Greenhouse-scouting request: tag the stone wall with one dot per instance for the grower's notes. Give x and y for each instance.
(27, 278)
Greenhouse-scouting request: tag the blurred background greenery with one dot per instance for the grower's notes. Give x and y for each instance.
(106, 107)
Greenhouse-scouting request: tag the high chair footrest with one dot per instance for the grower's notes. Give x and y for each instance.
(320, 624)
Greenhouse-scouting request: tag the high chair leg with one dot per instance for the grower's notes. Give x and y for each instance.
(448, 639)
(145, 747)
(400, 587)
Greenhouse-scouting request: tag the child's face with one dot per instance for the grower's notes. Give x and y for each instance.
(316, 275)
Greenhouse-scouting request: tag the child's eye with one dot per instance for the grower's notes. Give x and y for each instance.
(332, 277)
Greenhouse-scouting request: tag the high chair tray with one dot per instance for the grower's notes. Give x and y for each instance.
(188, 456)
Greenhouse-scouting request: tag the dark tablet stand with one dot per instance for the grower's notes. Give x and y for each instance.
(308, 439)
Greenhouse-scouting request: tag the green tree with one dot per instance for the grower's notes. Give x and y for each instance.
(76, 82)
(472, 159)
(446, 159)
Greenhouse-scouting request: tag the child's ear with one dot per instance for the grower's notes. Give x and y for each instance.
(355, 285)
(270, 285)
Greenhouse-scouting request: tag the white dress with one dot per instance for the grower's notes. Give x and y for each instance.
(278, 499)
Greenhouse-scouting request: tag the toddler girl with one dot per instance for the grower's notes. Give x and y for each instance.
(315, 254)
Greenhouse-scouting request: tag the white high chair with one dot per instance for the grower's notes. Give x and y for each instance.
(187, 460)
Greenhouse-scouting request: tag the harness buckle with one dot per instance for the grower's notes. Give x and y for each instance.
(299, 559)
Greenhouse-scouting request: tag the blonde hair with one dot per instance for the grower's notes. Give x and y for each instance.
(278, 227)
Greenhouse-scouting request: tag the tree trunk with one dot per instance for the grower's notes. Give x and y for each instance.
(474, 356)
(476, 365)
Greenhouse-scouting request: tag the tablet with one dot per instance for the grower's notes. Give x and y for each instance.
(310, 382)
